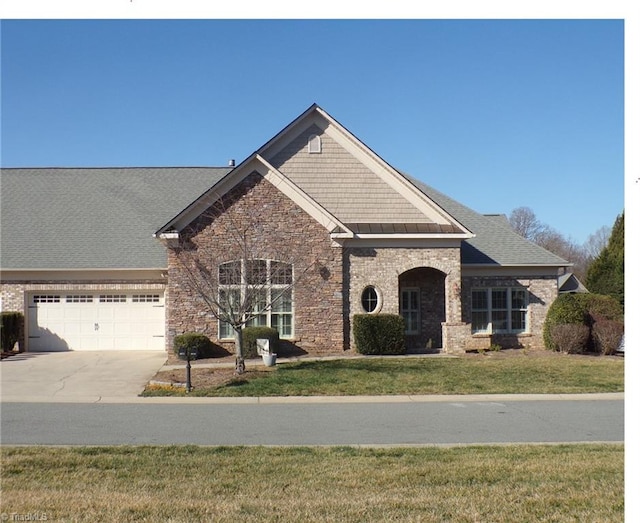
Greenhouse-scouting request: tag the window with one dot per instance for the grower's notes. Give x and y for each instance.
(500, 310)
(315, 144)
(282, 314)
(113, 298)
(410, 310)
(370, 299)
(266, 297)
(79, 298)
(145, 298)
(48, 298)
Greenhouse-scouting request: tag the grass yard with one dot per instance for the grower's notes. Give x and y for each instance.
(493, 373)
(253, 484)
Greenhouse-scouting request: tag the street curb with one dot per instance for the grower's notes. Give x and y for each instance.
(301, 400)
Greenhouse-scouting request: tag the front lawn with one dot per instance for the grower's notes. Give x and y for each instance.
(564, 483)
(493, 373)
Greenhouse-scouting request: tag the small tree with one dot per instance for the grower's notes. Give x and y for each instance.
(606, 273)
(251, 275)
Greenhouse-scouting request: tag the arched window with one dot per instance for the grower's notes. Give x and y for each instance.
(261, 291)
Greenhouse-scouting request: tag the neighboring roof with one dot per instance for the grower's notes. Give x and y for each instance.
(569, 283)
(74, 218)
(495, 243)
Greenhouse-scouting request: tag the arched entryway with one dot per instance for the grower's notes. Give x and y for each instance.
(421, 292)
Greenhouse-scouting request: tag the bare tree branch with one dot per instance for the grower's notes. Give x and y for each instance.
(244, 281)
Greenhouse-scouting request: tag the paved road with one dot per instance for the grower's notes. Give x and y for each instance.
(365, 421)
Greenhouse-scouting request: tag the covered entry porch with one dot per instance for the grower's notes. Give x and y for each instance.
(422, 304)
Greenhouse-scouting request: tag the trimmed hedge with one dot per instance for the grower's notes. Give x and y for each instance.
(11, 323)
(379, 333)
(193, 343)
(251, 334)
(580, 309)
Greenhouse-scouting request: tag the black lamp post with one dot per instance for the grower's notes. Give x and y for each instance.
(188, 354)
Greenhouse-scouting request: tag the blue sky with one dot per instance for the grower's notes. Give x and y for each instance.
(497, 114)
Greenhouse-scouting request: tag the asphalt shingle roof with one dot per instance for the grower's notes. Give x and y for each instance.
(495, 242)
(71, 218)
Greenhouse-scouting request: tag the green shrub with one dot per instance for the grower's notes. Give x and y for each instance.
(193, 343)
(567, 309)
(579, 309)
(251, 334)
(570, 337)
(379, 333)
(11, 323)
(607, 307)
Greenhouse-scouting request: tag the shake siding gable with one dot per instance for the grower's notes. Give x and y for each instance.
(342, 184)
(286, 233)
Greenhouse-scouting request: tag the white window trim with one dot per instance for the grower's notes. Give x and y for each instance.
(378, 306)
(509, 309)
(269, 312)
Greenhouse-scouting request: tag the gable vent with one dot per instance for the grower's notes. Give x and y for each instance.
(315, 144)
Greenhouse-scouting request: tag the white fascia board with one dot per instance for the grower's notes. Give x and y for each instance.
(171, 235)
(301, 198)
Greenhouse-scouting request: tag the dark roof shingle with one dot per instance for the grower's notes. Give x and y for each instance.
(95, 218)
(495, 243)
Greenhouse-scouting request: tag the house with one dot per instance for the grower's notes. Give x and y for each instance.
(91, 256)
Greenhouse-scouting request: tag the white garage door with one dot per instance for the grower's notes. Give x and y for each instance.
(96, 321)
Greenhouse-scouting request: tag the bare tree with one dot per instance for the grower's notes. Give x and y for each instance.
(240, 279)
(524, 221)
(597, 241)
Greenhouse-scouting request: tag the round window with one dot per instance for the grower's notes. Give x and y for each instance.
(370, 299)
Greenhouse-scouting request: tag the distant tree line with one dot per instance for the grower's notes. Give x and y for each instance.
(598, 263)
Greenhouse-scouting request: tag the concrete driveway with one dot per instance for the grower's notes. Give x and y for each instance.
(84, 377)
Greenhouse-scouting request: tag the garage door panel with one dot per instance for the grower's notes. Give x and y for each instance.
(86, 321)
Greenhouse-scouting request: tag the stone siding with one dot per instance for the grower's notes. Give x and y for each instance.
(276, 229)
